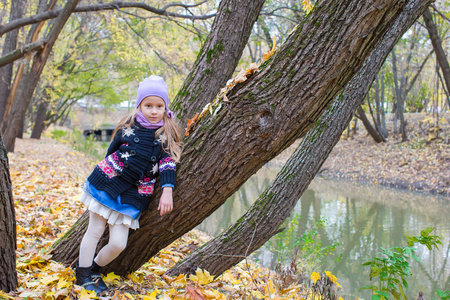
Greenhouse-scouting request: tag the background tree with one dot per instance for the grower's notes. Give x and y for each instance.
(9, 44)
(8, 269)
(8, 273)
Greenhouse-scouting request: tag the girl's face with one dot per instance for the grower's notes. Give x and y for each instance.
(153, 108)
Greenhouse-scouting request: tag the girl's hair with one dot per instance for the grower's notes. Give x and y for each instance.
(171, 132)
(172, 141)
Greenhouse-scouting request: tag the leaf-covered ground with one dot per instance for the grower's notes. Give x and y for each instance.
(420, 164)
(47, 178)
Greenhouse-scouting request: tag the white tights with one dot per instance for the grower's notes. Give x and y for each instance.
(118, 236)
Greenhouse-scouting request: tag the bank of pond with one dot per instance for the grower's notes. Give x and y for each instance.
(340, 225)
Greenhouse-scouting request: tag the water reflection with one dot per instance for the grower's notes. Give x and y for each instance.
(363, 219)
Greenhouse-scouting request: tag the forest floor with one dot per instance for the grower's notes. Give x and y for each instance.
(421, 164)
(47, 177)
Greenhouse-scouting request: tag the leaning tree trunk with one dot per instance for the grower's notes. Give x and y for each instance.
(266, 215)
(262, 117)
(219, 57)
(8, 274)
(9, 44)
(437, 46)
(28, 83)
(372, 131)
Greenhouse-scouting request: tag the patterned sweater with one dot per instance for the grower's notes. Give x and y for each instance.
(133, 161)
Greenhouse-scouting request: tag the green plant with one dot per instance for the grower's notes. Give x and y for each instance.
(419, 144)
(309, 246)
(87, 145)
(443, 295)
(392, 267)
(58, 134)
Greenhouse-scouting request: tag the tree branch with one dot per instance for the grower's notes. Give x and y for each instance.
(186, 6)
(439, 13)
(408, 89)
(174, 67)
(21, 52)
(97, 7)
(272, 13)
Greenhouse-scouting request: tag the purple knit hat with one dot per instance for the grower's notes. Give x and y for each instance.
(154, 86)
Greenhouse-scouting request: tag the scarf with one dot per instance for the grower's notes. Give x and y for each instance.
(146, 124)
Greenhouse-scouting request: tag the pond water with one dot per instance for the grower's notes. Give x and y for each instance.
(362, 219)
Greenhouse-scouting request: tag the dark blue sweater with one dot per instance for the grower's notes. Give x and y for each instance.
(133, 161)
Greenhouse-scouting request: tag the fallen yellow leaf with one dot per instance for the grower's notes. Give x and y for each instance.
(202, 277)
(49, 279)
(85, 295)
(111, 277)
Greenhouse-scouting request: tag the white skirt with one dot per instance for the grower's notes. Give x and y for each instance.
(112, 217)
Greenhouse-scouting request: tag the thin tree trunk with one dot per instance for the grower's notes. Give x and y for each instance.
(383, 111)
(41, 115)
(376, 128)
(348, 130)
(437, 46)
(445, 91)
(8, 274)
(399, 98)
(372, 131)
(266, 32)
(219, 56)
(11, 96)
(9, 44)
(262, 117)
(355, 126)
(267, 214)
(29, 82)
(376, 86)
(20, 132)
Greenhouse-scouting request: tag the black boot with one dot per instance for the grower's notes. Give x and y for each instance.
(84, 279)
(97, 277)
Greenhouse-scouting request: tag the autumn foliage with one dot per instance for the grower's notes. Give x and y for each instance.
(47, 177)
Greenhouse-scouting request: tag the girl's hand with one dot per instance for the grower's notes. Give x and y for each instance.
(166, 201)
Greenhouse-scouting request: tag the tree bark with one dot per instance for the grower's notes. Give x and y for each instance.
(29, 82)
(9, 45)
(437, 46)
(263, 116)
(372, 131)
(8, 274)
(266, 215)
(219, 57)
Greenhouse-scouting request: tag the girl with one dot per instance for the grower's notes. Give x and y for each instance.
(146, 143)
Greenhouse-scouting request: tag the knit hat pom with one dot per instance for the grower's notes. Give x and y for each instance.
(154, 86)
